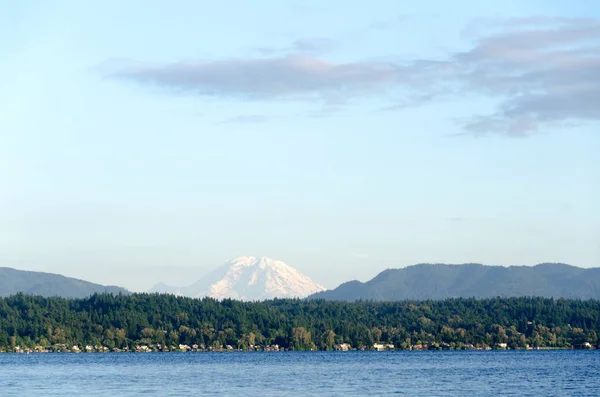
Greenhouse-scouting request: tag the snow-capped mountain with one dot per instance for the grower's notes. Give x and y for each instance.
(249, 278)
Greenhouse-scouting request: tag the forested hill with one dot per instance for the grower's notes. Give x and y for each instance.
(439, 281)
(13, 281)
(165, 322)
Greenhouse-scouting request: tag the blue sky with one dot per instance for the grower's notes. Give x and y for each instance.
(152, 143)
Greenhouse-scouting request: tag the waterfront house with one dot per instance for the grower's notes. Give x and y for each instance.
(343, 347)
(184, 348)
(382, 347)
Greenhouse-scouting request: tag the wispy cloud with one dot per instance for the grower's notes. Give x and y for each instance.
(456, 219)
(409, 102)
(388, 23)
(309, 45)
(245, 119)
(292, 76)
(543, 72)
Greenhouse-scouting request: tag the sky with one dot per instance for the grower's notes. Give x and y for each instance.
(154, 142)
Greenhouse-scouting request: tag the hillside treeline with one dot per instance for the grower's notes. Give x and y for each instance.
(120, 322)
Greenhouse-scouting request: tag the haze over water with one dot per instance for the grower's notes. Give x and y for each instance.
(449, 373)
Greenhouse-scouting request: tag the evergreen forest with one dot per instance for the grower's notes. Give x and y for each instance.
(106, 322)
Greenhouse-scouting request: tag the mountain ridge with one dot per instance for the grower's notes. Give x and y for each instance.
(13, 281)
(441, 281)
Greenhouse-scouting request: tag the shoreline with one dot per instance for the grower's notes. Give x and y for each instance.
(25, 352)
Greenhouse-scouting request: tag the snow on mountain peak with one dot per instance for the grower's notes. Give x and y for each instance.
(253, 278)
(250, 278)
(262, 262)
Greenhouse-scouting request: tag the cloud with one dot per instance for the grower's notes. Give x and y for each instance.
(309, 45)
(387, 24)
(313, 45)
(409, 102)
(542, 71)
(457, 219)
(290, 76)
(545, 71)
(246, 119)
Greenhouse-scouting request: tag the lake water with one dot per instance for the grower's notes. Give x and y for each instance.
(447, 373)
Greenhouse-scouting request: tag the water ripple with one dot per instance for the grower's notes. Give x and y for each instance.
(547, 373)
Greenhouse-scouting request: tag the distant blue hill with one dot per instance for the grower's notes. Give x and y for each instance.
(440, 281)
(13, 281)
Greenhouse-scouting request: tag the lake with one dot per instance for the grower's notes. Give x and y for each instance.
(441, 373)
